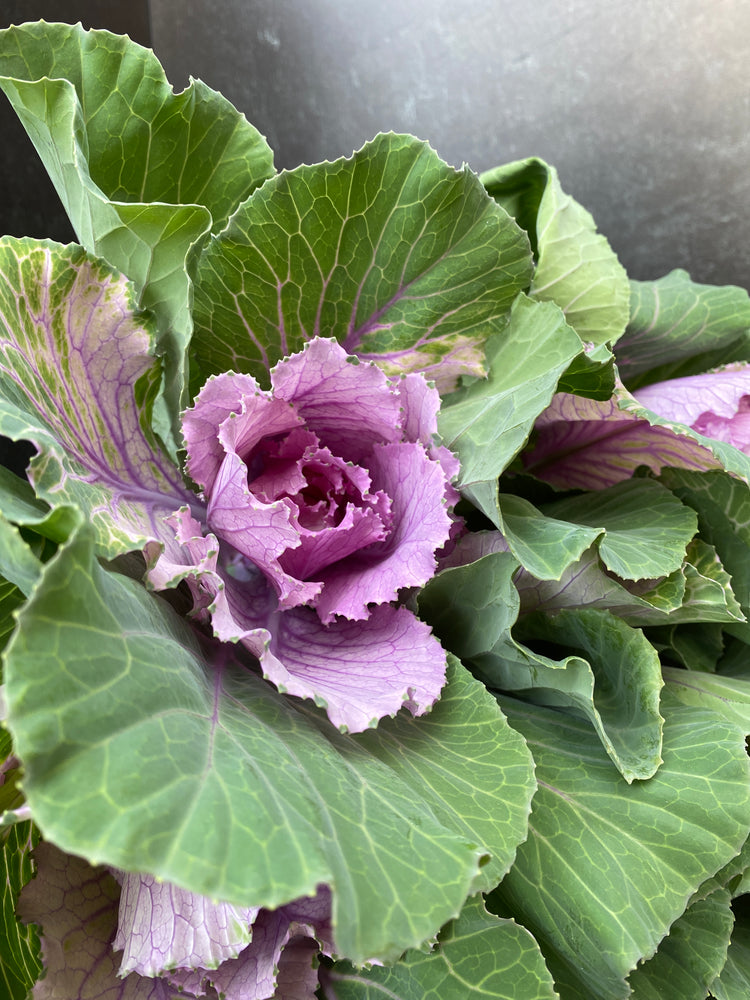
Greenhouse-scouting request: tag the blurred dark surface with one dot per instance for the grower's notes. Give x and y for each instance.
(29, 205)
(643, 106)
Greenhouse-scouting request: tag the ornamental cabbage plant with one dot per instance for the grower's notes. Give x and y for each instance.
(374, 605)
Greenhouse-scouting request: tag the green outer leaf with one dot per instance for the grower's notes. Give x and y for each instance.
(544, 546)
(727, 696)
(489, 802)
(722, 504)
(11, 599)
(691, 956)
(140, 754)
(576, 267)
(19, 943)
(472, 608)
(635, 545)
(617, 685)
(395, 254)
(698, 592)
(19, 503)
(18, 564)
(477, 955)
(678, 327)
(488, 422)
(734, 981)
(144, 174)
(609, 867)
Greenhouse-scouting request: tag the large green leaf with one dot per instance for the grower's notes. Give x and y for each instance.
(634, 545)
(477, 955)
(678, 327)
(734, 981)
(608, 867)
(616, 686)
(487, 422)
(142, 753)
(144, 174)
(395, 254)
(467, 793)
(691, 956)
(11, 598)
(576, 267)
(727, 696)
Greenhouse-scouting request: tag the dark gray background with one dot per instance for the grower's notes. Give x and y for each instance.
(642, 105)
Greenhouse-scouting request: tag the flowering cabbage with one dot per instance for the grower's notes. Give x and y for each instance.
(116, 934)
(325, 498)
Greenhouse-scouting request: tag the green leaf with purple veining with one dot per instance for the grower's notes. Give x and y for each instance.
(398, 256)
(145, 174)
(76, 379)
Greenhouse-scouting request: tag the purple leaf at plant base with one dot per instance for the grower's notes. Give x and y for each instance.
(325, 498)
(174, 943)
(586, 444)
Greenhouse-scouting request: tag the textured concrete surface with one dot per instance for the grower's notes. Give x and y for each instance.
(642, 105)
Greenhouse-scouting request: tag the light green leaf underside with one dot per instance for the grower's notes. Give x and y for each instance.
(544, 546)
(727, 696)
(691, 956)
(395, 254)
(472, 609)
(147, 757)
(144, 174)
(646, 528)
(678, 327)
(576, 267)
(18, 564)
(734, 981)
(584, 881)
(477, 955)
(488, 422)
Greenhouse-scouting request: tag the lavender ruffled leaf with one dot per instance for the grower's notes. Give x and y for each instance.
(587, 444)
